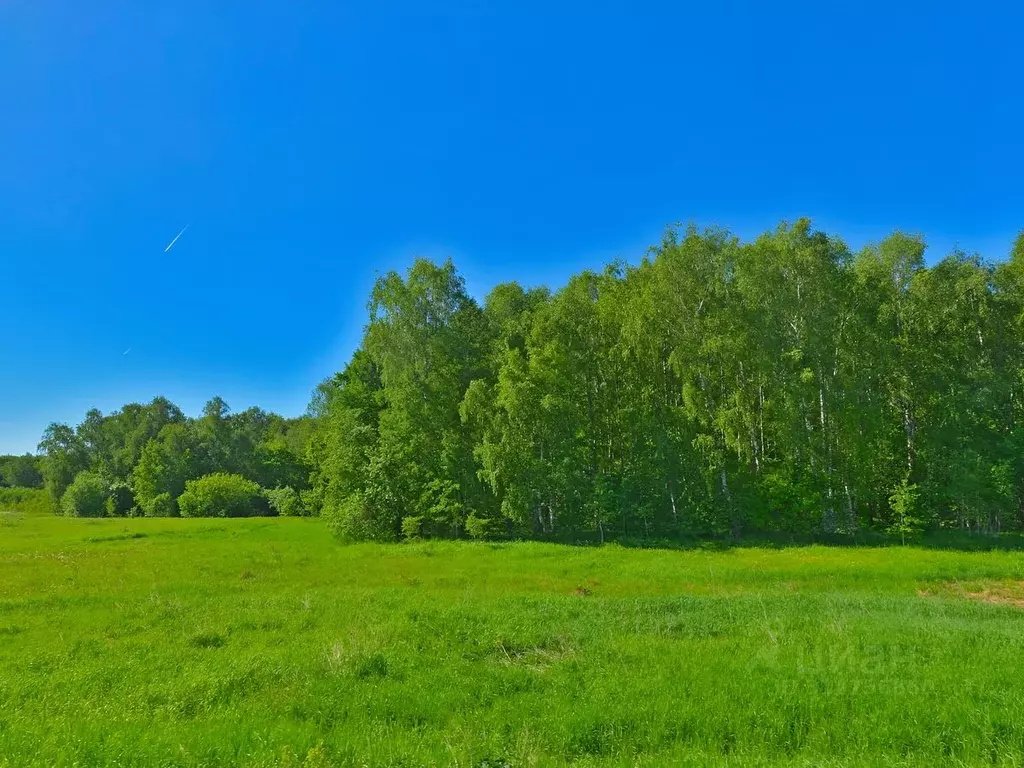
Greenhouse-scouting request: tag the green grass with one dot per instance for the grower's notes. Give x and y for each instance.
(262, 642)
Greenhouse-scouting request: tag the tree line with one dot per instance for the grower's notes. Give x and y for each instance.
(718, 387)
(153, 460)
(21, 471)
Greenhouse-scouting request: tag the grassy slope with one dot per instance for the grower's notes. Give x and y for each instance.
(262, 642)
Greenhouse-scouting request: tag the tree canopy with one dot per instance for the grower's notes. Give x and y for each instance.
(718, 387)
(21, 471)
(143, 456)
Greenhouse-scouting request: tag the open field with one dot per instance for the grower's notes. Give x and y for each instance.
(262, 642)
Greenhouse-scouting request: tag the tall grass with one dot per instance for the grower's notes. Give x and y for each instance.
(261, 642)
(27, 501)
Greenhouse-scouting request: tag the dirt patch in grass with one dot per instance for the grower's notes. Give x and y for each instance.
(991, 592)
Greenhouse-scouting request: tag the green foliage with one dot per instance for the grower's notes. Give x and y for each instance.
(285, 501)
(357, 517)
(478, 527)
(311, 501)
(86, 496)
(64, 457)
(161, 505)
(150, 451)
(222, 495)
(121, 500)
(167, 462)
(389, 441)
(903, 503)
(717, 388)
(28, 501)
(21, 471)
(412, 527)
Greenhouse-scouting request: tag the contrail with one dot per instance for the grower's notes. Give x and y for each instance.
(171, 244)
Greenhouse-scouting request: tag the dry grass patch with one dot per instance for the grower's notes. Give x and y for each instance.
(991, 592)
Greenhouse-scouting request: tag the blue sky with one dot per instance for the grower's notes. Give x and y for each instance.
(310, 145)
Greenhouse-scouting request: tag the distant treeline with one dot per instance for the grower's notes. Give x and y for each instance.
(784, 385)
(142, 459)
(21, 471)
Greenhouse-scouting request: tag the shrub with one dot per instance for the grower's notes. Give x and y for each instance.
(222, 495)
(85, 497)
(285, 501)
(478, 527)
(26, 501)
(312, 502)
(412, 527)
(360, 517)
(903, 503)
(120, 501)
(161, 505)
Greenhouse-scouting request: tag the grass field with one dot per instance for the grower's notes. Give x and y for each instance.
(262, 642)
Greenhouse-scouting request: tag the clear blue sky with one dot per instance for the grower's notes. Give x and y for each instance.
(309, 145)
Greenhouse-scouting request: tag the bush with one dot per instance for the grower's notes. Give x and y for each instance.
(311, 502)
(161, 505)
(85, 497)
(903, 503)
(28, 501)
(478, 527)
(120, 501)
(285, 501)
(360, 517)
(222, 495)
(412, 527)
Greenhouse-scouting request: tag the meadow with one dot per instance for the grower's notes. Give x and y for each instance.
(263, 642)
